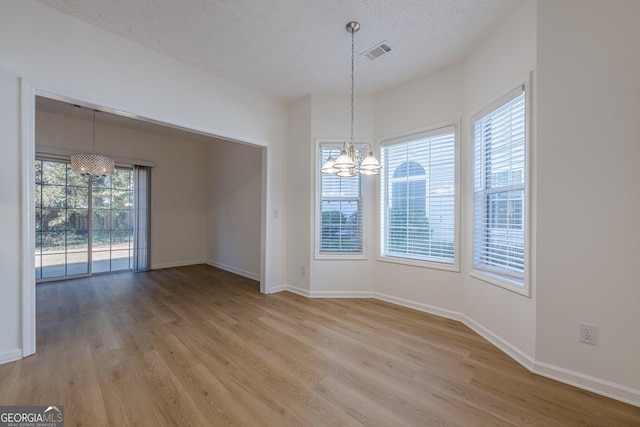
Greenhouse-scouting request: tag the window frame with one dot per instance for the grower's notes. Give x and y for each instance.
(494, 276)
(337, 255)
(405, 137)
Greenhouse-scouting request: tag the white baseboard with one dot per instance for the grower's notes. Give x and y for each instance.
(177, 264)
(321, 294)
(238, 271)
(596, 385)
(418, 306)
(340, 294)
(515, 353)
(10, 355)
(276, 289)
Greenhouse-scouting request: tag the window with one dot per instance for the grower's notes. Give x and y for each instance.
(112, 221)
(82, 226)
(499, 211)
(339, 211)
(418, 193)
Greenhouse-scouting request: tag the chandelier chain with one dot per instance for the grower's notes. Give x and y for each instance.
(94, 132)
(353, 34)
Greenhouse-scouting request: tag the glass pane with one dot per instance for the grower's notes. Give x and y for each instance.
(77, 263)
(53, 265)
(121, 199)
(76, 180)
(102, 219)
(53, 242)
(101, 198)
(121, 219)
(38, 219)
(38, 171)
(101, 182)
(122, 237)
(53, 219)
(54, 196)
(38, 195)
(38, 267)
(38, 243)
(54, 173)
(77, 241)
(120, 260)
(101, 261)
(101, 240)
(77, 219)
(122, 179)
(78, 197)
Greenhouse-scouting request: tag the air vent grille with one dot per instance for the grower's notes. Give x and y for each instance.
(377, 51)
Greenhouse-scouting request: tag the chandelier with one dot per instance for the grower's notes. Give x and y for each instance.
(351, 158)
(92, 164)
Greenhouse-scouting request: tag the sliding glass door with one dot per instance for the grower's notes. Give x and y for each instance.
(112, 222)
(83, 226)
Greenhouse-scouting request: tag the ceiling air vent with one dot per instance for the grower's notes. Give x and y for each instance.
(377, 51)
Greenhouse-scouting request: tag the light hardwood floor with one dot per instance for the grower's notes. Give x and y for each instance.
(200, 346)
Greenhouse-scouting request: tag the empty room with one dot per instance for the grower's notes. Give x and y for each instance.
(301, 212)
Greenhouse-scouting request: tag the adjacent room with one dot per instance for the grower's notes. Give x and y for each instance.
(320, 213)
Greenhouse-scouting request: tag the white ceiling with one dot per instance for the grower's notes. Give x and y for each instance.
(288, 48)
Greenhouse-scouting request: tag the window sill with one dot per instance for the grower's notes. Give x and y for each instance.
(502, 281)
(422, 264)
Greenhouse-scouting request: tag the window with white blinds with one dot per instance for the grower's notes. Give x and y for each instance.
(339, 211)
(418, 210)
(499, 211)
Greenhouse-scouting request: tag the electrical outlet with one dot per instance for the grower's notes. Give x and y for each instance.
(588, 334)
(303, 270)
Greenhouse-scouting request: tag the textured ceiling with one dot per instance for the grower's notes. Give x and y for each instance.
(288, 48)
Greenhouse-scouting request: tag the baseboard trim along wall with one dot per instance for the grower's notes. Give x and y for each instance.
(238, 271)
(10, 355)
(177, 264)
(596, 385)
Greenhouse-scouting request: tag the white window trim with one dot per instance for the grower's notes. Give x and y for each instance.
(317, 206)
(505, 282)
(406, 137)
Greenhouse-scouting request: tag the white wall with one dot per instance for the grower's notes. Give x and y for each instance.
(505, 57)
(330, 119)
(311, 118)
(60, 54)
(234, 194)
(10, 332)
(178, 180)
(420, 103)
(588, 198)
(300, 212)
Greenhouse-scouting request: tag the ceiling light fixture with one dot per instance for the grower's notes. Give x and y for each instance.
(92, 164)
(351, 159)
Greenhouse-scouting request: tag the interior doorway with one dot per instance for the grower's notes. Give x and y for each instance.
(30, 95)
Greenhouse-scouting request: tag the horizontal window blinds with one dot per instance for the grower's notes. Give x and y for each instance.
(418, 193)
(340, 216)
(499, 188)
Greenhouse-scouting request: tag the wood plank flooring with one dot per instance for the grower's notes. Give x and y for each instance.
(202, 347)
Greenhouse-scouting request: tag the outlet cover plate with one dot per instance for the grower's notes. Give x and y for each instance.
(588, 333)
